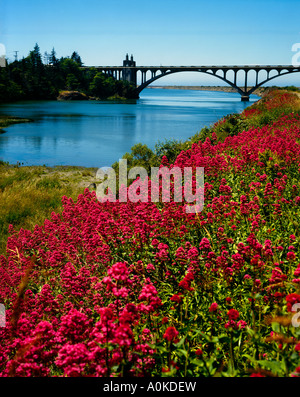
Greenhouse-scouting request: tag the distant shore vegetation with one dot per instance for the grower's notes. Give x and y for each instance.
(32, 79)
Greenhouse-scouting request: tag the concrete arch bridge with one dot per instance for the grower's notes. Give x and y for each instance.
(229, 74)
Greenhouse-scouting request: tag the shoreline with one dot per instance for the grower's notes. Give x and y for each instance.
(6, 121)
(259, 91)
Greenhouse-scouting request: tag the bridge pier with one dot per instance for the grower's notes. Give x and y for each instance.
(129, 72)
(245, 98)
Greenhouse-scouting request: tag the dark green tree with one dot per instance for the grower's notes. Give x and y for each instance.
(102, 86)
(75, 57)
(35, 58)
(72, 82)
(53, 60)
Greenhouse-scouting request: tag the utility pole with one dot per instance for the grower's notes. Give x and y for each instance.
(16, 55)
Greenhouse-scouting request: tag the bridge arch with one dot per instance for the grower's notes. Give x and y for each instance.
(228, 74)
(280, 73)
(145, 84)
(213, 71)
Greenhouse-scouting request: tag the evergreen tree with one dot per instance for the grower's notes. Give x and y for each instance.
(35, 58)
(75, 57)
(53, 60)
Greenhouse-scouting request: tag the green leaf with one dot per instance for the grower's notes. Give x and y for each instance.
(181, 342)
(184, 352)
(274, 366)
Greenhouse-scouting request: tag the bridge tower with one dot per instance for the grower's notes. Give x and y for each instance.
(129, 74)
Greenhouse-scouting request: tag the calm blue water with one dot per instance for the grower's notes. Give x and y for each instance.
(96, 134)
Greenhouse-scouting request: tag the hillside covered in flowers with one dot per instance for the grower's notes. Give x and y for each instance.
(146, 289)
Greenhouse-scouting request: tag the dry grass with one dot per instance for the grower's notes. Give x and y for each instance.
(28, 195)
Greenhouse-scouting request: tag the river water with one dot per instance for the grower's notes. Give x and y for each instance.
(98, 133)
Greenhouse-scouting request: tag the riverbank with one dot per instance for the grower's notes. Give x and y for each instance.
(259, 91)
(75, 95)
(6, 121)
(79, 96)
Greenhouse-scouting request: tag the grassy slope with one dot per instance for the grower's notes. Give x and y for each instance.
(28, 195)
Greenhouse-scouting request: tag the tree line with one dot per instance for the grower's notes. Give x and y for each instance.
(32, 79)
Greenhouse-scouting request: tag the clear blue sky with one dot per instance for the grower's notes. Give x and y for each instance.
(156, 32)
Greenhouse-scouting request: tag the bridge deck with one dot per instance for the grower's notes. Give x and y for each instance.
(128, 72)
(263, 67)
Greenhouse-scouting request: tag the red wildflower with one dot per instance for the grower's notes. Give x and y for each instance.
(176, 298)
(257, 375)
(291, 299)
(233, 314)
(213, 307)
(242, 324)
(171, 334)
(204, 244)
(291, 256)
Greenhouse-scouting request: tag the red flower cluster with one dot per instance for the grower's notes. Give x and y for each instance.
(171, 334)
(291, 299)
(233, 314)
